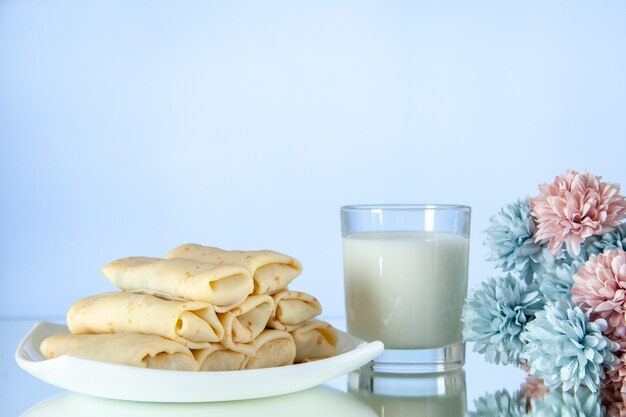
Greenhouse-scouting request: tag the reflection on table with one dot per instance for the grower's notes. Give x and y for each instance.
(534, 399)
(369, 395)
(314, 402)
(429, 395)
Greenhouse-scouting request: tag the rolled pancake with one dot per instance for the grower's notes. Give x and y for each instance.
(246, 321)
(292, 309)
(315, 340)
(273, 348)
(271, 270)
(224, 286)
(146, 351)
(218, 357)
(192, 323)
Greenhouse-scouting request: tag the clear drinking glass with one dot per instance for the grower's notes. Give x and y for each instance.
(405, 274)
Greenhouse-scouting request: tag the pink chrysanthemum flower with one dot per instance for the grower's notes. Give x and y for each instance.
(600, 286)
(574, 207)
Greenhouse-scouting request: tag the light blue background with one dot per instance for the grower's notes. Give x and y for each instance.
(128, 127)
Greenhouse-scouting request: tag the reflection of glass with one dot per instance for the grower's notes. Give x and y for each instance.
(315, 402)
(426, 395)
(405, 272)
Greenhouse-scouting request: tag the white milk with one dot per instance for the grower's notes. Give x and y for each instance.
(406, 288)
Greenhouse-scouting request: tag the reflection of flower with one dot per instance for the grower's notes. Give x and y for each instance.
(600, 285)
(610, 395)
(617, 409)
(583, 403)
(575, 207)
(613, 399)
(565, 348)
(510, 239)
(533, 388)
(499, 404)
(495, 317)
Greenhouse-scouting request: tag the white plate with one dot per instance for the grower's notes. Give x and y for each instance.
(108, 380)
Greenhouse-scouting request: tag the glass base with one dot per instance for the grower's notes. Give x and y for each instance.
(419, 361)
(405, 385)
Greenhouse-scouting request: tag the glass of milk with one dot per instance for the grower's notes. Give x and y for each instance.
(405, 273)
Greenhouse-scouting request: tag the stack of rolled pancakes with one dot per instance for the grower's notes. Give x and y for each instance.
(199, 309)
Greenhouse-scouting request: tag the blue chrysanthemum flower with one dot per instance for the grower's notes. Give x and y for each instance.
(510, 239)
(547, 262)
(496, 315)
(567, 349)
(582, 403)
(556, 282)
(596, 244)
(499, 404)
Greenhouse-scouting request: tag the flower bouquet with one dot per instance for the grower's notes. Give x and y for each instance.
(560, 310)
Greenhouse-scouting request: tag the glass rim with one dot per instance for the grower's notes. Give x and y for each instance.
(406, 207)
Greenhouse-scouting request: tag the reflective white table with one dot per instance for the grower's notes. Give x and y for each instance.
(357, 394)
